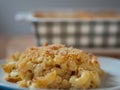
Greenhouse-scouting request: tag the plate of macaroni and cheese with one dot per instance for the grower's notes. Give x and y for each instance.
(58, 67)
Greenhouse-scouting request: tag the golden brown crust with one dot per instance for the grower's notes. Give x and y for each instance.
(77, 14)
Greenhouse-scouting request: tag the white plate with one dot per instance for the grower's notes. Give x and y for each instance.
(111, 80)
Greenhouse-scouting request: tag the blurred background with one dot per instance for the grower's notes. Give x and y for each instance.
(91, 25)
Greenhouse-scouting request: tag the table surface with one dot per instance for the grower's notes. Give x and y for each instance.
(12, 44)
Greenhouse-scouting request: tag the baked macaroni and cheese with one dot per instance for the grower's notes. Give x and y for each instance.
(53, 66)
(77, 14)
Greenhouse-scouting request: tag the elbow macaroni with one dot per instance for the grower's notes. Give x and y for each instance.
(83, 81)
(53, 66)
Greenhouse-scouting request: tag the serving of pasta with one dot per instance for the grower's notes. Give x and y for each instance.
(53, 66)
